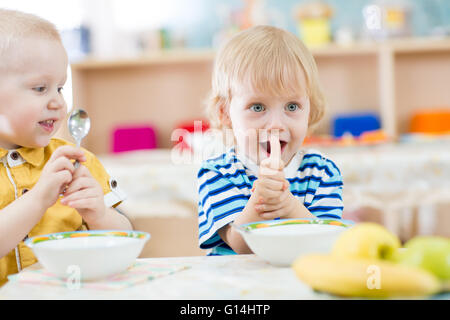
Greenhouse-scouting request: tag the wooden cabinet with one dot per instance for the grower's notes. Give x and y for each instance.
(393, 78)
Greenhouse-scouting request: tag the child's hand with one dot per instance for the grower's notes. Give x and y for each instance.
(85, 194)
(271, 188)
(56, 174)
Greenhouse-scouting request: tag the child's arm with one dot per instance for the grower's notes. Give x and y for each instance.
(86, 195)
(232, 237)
(20, 216)
(110, 220)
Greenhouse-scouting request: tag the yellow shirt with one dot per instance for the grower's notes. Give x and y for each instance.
(19, 171)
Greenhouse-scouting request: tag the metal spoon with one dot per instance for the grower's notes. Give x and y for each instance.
(79, 125)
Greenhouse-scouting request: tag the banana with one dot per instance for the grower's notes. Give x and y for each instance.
(357, 277)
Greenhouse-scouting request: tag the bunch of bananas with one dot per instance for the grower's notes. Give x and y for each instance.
(367, 261)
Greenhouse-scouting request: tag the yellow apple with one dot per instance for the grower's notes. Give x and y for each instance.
(367, 240)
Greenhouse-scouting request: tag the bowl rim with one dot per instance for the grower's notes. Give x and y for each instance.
(135, 234)
(292, 221)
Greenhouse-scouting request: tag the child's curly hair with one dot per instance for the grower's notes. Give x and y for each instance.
(272, 60)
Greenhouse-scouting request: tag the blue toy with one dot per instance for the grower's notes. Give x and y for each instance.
(355, 124)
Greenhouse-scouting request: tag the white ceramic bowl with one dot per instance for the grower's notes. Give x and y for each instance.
(88, 254)
(280, 242)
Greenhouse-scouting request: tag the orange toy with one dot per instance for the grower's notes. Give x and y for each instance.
(435, 121)
(373, 137)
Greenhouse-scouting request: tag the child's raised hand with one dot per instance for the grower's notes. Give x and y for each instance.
(271, 188)
(85, 194)
(56, 174)
(273, 163)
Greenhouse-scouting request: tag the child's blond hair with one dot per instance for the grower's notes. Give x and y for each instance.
(272, 60)
(15, 25)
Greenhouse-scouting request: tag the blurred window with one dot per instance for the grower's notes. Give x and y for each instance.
(136, 15)
(67, 14)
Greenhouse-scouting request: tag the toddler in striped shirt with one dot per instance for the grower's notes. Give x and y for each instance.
(266, 92)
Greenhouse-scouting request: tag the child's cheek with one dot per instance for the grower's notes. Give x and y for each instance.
(20, 124)
(5, 126)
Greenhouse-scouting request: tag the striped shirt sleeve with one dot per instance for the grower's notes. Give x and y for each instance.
(223, 193)
(327, 200)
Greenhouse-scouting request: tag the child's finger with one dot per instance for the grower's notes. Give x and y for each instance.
(275, 151)
(84, 203)
(272, 184)
(61, 178)
(266, 169)
(269, 215)
(79, 184)
(268, 207)
(61, 164)
(69, 152)
(269, 195)
(80, 194)
(269, 173)
(82, 171)
(270, 200)
(278, 213)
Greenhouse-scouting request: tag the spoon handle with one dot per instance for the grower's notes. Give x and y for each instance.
(77, 163)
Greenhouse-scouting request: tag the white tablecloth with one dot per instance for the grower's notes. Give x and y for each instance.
(216, 277)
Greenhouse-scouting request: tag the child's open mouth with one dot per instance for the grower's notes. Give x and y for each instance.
(48, 125)
(266, 146)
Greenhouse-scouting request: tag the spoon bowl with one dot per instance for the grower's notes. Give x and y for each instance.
(79, 125)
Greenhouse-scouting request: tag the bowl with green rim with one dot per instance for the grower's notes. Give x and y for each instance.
(88, 255)
(281, 241)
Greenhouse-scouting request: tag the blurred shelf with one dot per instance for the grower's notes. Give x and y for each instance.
(153, 58)
(406, 45)
(401, 45)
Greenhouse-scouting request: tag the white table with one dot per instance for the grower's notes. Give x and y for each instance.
(215, 277)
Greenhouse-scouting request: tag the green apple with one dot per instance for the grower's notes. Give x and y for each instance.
(367, 240)
(431, 253)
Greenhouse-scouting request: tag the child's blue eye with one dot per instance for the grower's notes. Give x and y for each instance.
(39, 89)
(257, 107)
(292, 107)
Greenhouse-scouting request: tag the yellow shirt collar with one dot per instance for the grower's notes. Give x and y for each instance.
(34, 156)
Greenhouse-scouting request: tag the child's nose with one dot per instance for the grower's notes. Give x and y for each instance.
(57, 103)
(276, 123)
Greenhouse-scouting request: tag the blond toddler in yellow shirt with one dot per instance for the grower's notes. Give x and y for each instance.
(34, 167)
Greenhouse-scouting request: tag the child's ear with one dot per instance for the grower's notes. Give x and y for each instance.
(224, 115)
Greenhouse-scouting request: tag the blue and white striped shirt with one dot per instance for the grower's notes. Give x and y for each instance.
(225, 183)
